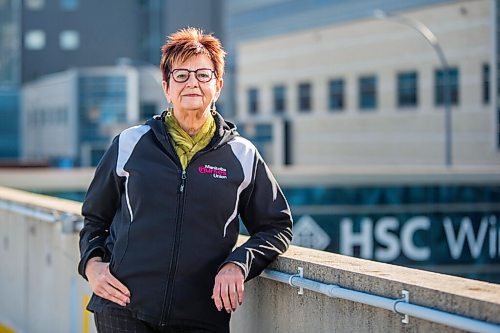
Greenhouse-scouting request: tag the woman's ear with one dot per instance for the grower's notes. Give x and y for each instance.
(218, 86)
(165, 87)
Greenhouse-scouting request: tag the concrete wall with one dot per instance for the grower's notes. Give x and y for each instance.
(40, 288)
(41, 291)
(275, 307)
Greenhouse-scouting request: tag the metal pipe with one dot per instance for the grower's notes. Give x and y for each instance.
(399, 306)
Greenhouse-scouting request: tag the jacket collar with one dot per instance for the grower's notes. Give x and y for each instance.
(225, 131)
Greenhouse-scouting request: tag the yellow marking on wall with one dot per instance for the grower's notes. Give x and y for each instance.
(5, 329)
(86, 315)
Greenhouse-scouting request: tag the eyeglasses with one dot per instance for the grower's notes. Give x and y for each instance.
(181, 75)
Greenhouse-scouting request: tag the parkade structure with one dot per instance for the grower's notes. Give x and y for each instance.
(42, 292)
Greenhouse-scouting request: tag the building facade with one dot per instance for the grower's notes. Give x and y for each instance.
(61, 34)
(370, 92)
(70, 118)
(41, 37)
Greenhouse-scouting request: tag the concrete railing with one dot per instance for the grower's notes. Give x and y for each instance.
(40, 288)
(41, 291)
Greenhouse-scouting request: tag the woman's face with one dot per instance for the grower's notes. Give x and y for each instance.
(193, 95)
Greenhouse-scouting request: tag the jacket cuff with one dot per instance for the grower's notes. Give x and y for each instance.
(239, 264)
(95, 252)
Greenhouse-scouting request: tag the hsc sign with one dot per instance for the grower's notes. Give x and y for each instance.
(410, 239)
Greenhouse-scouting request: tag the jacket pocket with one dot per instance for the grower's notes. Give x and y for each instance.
(117, 255)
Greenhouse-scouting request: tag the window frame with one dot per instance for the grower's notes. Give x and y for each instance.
(279, 100)
(69, 5)
(486, 83)
(34, 4)
(407, 93)
(364, 100)
(439, 87)
(304, 95)
(336, 94)
(253, 100)
(28, 38)
(62, 42)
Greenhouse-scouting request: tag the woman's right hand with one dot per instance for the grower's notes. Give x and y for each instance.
(104, 284)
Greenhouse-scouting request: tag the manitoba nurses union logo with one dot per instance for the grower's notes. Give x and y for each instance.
(215, 171)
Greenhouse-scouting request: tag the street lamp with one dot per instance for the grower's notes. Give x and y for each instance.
(432, 39)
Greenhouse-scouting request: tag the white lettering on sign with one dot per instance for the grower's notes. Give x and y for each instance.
(493, 236)
(410, 250)
(456, 243)
(363, 239)
(388, 238)
(385, 234)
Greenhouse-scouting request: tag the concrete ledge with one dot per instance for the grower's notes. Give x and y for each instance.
(318, 313)
(40, 201)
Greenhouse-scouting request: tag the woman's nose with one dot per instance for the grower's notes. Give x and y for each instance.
(192, 80)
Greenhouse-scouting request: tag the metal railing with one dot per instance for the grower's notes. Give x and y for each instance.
(400, 306)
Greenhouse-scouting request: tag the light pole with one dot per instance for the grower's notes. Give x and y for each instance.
(432, 39)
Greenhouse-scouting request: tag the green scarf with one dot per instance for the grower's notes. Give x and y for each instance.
(185, 145)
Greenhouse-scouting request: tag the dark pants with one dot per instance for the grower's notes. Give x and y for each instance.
(121, 322)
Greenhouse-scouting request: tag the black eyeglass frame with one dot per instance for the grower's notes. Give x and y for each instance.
(214, 75)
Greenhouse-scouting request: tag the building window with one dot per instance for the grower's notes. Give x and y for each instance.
(253, 101)
(305, 96)
(336, 94)
(367, 92)
(102, 101)
(69, 40)
(34, 40)
(439, 90)
(407, 89)
(34, 4)
(69, 4)
(486, 83)
(279, 95)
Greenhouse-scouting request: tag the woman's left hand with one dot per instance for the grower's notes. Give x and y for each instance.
(229, 287)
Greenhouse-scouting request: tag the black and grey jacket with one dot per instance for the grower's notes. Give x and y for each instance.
(167, 231)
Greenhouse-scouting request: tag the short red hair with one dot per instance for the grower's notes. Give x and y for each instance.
(188, 42)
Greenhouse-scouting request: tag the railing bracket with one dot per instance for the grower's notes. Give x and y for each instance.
(300, 273)
(406, 299)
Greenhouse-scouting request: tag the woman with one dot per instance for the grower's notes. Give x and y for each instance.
(162, 212)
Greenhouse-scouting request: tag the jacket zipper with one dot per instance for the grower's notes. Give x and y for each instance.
(175, 253)
(165, 315)
(183, 181)
(172, 266)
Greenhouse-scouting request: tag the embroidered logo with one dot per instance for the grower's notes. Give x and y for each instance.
(216, 172)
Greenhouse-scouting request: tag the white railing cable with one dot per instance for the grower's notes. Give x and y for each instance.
(400, 306)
